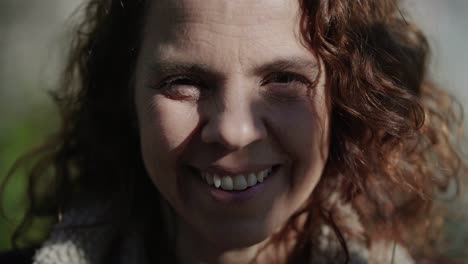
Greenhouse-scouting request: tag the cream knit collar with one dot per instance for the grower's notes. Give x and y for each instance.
(82, 238)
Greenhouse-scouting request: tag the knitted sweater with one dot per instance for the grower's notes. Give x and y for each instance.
(70, 245)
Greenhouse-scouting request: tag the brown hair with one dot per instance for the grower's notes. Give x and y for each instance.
(391, 129)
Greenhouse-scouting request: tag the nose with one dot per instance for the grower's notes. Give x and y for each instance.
(234, 123)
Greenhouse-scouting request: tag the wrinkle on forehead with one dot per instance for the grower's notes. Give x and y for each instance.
(175, 20)
(245, 31)
(228, 12)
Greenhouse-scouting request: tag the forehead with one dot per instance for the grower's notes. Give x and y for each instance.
(223, 30)
(227, 11)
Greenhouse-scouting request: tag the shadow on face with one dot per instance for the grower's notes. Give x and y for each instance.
(223, 93)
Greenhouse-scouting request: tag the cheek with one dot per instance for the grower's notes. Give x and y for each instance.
(165, 127)
(302, 131)
(171, 122)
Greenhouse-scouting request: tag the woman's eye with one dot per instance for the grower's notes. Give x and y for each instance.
(183, 81)
(283, 78)
(286, 85)
(180, 88)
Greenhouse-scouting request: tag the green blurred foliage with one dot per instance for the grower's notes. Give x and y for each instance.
(18, 136)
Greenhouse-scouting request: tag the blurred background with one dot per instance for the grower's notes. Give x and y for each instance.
(33, 42)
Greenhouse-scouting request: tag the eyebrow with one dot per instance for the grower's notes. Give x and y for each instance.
(287, 64)
(173, 67)
(167, 67)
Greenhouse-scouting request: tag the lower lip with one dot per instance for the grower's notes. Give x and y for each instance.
(229, 197)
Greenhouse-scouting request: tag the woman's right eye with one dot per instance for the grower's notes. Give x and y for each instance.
(180, 88)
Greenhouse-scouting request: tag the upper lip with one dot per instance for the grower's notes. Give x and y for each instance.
(231, 170)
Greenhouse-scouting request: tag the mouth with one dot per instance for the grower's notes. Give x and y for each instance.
(236, 182)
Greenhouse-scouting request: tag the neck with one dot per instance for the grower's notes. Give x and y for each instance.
(192, 248)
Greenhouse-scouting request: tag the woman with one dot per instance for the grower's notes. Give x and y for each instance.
(244, 132)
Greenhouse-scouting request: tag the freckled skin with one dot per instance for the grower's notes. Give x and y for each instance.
(234, 118)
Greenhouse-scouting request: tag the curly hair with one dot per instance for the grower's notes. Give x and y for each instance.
(392, 135)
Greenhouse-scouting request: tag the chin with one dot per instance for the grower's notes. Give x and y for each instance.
(242, 236)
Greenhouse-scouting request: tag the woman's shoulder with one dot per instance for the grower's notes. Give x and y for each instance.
(18, 256)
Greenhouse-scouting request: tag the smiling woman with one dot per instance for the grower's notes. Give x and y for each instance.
(223, 111)
(244, 132)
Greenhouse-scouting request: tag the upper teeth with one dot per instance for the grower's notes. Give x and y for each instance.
(235, 182)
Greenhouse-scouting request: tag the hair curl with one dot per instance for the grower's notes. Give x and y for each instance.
(391, 129)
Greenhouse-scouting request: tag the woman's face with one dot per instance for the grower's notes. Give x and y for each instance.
(232, 134)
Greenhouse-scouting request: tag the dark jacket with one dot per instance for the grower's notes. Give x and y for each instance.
(18, 256)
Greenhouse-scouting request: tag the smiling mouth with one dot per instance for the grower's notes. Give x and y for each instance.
(237, 182)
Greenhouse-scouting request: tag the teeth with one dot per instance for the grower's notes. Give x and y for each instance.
(237, 182)
(262, 175)
(216, 181)
(240, 183)
(252, 179)
(226, 183)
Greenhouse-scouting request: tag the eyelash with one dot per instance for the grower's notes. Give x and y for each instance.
(179, 80)
(278, 79)
(290, 78)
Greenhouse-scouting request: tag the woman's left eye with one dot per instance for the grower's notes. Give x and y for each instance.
(286, 85)
(285, 77)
